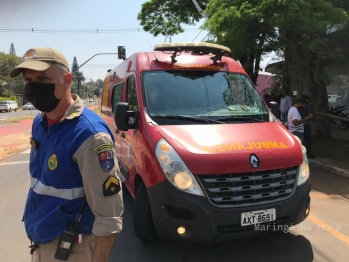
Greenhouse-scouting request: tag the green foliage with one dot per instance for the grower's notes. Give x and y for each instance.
(241, 25)
(166, 16)
(7, 96)
(74, 65)
(12, 50)
(244, 27)
(310, 46)
(308, 34)
(7, 63)
(99, 83)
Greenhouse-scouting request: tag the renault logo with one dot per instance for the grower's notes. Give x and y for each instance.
(254, 161)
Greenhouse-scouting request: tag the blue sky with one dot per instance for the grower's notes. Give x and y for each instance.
(80, 15)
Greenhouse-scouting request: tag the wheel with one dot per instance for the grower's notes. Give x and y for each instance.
(343, 125)
(15, 109)
(142, 218)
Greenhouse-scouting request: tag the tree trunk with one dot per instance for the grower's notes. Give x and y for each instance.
(319, 93)
(247, 64)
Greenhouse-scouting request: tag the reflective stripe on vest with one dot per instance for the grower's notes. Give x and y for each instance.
(69, 194)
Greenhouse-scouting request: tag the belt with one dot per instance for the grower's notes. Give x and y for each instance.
(35, 246)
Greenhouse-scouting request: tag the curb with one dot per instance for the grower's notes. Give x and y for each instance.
(331, 168)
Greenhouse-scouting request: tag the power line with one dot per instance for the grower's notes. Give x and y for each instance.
(205, 37)
(197, 35)
(78, 31)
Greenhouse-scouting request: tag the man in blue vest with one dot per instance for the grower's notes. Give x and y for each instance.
(75, 179)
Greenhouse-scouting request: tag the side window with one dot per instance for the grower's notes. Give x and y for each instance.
(132, 94)
(117, 92)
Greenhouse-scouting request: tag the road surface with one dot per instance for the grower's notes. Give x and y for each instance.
(324, 236)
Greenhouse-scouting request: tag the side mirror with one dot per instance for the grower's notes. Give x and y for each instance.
(125, 119)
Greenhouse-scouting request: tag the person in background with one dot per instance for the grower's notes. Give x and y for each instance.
(155, 99)
(267, 98)
(275, 98)
(75, 177)
(307, 111)
(285, 105)
(295, 122)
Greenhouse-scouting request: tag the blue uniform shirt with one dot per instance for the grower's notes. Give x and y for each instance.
(64, 167)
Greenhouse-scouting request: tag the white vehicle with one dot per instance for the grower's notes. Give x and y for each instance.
(28, 106)
(333, 98)
(8, 105)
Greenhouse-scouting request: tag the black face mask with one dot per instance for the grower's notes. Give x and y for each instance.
(42, 96)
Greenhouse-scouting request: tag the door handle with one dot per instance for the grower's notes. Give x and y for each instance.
(123, 135)
(117, 131)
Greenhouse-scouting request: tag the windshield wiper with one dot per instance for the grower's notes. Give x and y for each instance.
(241, 118)
(196, 119)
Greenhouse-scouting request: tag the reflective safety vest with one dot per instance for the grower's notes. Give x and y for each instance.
(56, 191)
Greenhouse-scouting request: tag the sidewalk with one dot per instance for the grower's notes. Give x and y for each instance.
(336, 167)
(14, 137)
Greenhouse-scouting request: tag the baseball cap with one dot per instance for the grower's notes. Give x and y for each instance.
(39, 59)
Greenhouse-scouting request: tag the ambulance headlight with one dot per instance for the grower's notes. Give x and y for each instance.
(304, 171)
(175, 169)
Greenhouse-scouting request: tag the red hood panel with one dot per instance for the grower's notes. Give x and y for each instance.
(226, 148)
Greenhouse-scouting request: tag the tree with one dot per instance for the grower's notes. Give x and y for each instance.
(244, 27)
(309, 48)
(74, 66)
(78, 77)
(7, 63)
(12, 49)
(241, 25)
(167, 16)
(297, 30)
(99, 83)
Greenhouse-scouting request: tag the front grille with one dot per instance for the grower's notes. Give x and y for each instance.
(244, 189)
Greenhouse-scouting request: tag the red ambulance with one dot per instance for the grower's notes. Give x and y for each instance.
(199, 151)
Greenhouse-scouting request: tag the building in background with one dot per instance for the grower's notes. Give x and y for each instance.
(264, 81)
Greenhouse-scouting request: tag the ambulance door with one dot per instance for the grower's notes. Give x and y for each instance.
(128, 138)
(116, 97)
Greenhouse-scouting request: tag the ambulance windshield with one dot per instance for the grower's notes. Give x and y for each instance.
(202, 94)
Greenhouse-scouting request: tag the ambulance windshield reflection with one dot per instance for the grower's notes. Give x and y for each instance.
(225, 96)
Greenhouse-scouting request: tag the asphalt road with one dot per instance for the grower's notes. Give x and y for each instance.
(19, 113)
(324, 236)
(22, 113)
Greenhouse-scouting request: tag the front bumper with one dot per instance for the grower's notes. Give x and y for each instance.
(172, 208)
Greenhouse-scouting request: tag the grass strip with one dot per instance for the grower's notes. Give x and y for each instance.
(335, 149)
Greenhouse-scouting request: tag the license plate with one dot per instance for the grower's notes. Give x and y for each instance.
(345, 111)
(257, 217)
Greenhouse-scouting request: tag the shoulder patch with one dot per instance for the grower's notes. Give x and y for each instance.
(106, 156)
(103, 147)
(34, 143)
(52, 162)
(111, 186)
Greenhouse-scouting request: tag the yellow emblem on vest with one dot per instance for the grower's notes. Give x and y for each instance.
(52, 162)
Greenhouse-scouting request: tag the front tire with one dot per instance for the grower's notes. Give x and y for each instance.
(143, 224)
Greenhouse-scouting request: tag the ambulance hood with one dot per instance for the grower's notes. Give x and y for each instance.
(230, 148)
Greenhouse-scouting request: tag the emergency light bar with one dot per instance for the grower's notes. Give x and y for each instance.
(200, 47)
